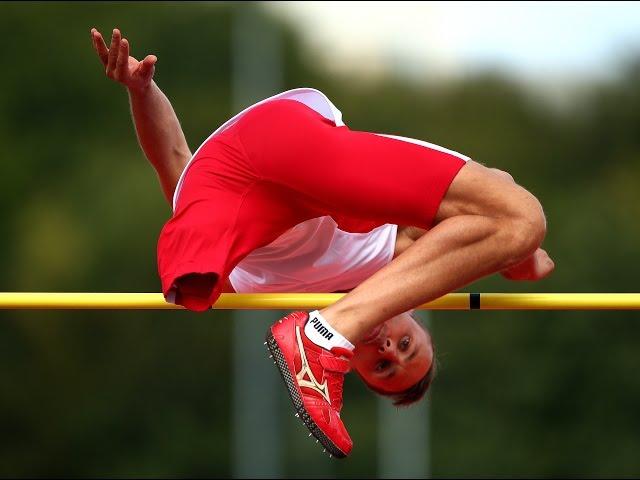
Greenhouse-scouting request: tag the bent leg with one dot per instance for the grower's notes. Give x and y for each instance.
(534, 267)
(349, 173)
(485, 224)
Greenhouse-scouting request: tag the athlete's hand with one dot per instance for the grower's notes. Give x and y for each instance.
(119, 66)
(536, 267)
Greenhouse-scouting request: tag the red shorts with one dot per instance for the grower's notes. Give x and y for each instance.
(280, 164)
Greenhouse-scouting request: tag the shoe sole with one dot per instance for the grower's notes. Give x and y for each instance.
(291, 385)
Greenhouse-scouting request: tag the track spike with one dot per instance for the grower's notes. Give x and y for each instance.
(310, 434)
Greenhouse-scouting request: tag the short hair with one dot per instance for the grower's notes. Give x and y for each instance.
(416, 391)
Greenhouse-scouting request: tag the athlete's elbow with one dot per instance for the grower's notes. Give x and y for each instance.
(181, 155)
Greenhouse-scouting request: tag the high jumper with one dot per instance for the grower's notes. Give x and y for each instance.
(284, 197)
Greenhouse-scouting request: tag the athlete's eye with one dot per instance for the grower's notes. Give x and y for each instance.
(404, 343)
(382, 365)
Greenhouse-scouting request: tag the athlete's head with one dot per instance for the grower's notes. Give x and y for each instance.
(397, 359)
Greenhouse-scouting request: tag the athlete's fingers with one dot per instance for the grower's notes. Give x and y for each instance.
(100, 46)
(147, 67)
(536, 267)
(544, 269)
(542, 256)
(113, 52)
(542, 265)
(122, 62)
(546, 261)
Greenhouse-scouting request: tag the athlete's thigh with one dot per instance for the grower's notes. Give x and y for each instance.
(360, 174)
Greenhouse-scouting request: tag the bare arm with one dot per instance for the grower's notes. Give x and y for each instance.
(159, 132)
(160, 136)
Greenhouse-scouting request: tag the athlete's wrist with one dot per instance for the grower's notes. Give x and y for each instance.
(140, 91)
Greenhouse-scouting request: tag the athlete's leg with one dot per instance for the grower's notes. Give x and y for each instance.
(357, 174)
(484, 225)
(479, 223)
(535, 267)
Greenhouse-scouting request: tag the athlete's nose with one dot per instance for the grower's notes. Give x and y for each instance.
(386, 346)
(388, 352)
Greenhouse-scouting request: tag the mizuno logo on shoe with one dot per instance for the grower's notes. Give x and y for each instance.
(321, 329)
(311, 383)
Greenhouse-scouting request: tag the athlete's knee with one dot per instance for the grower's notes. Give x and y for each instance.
(516, 214)
(525, 227)
(503, 174)
(524, 215)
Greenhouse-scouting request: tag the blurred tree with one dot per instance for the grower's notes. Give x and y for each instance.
(147, 393)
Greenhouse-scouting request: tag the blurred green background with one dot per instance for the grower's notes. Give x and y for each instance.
(149, 393)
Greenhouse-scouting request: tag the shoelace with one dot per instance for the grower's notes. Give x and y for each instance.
(336, 386)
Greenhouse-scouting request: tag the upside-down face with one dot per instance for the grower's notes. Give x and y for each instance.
(395, 355)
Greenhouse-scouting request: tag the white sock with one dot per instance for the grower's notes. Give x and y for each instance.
(324, 335)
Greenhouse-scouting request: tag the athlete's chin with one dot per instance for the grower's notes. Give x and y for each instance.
(358, 367)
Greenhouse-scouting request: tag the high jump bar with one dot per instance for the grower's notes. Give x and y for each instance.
(307, 301)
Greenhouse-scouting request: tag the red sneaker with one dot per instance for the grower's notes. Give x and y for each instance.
(314, 378)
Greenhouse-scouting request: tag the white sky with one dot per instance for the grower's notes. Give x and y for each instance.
(532, 40)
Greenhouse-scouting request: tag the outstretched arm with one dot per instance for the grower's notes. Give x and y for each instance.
(156, 123)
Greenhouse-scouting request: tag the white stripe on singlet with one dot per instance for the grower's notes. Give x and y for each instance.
(422, 143)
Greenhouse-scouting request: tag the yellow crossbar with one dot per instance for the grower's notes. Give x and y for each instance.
(306, 301)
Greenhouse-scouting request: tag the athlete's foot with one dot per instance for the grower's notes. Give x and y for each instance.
(314, 377)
